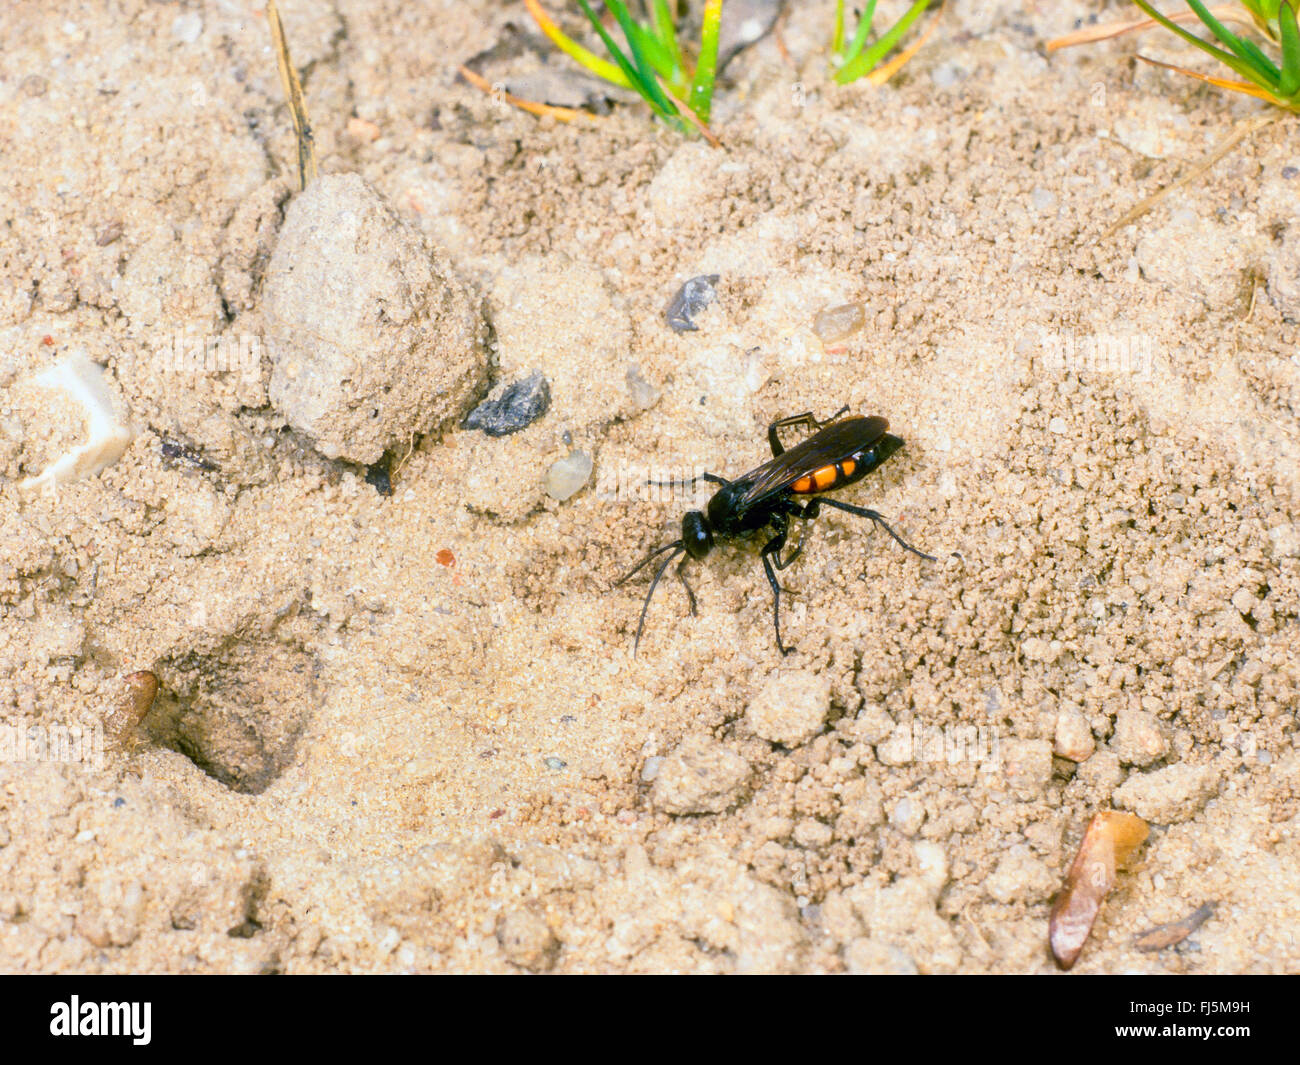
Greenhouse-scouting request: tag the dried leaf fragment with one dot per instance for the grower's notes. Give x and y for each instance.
(1111, 839)
(123, 720)
(1167, 935)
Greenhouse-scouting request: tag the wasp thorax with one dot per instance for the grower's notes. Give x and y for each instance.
(697, 537)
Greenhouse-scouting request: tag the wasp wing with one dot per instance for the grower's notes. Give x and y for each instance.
(836, 442)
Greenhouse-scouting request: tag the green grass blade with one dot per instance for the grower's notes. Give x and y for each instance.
(600, 67)
(701, 97)
(656, 54)
(860, 34)
(667, 33)
(868, 60)
(1245, 50)
(651, 92)
(1246, 70)
(837, 35)
(1289, 82)
(1265, 65)
(645, 69)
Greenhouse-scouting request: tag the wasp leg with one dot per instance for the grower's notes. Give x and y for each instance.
(712, 478)
(793, 510)
(810, 511)
(690, 592)
(770, 550)
(806, 418)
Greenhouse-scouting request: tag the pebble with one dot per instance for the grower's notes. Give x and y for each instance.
(186, 28)
(791, 708)
(700, 776)
(517, 407)
(372, 337)
(1138, 740)
(1073, 736)
(1170, 795)
(1020, 877)
(907, 816)
(691, 299)
(1043, 199)
(527, 940)
(1027, 763)
(812, 835)
(644, 395)
(832, 324)
(556, 763)
(567, 475)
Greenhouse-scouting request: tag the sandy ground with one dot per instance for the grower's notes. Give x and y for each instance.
(406, 732)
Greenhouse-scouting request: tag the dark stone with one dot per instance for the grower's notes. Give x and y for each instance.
(378, 477)
(691, 298)
(521, 404)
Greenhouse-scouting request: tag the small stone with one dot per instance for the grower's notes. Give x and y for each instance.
(1073, 736)
(812, 835)
(362, 130)
(555, 763)
(907, 816)
(791, 708)
(701, 776)
(372, 337)
(1244, 601)
(1043, 200)
(527, 940)
(691, 299)
(1170, 795)
(870, 957)
(1058, 425)
(521, 404)
(644, 395)
(186, 28)
(567, 475)
(651, 768)
(1139, 740)
(833, 324)
(872, 725)
(1027, 764)
(1100, 775)
(1020, 877)
(897, 748)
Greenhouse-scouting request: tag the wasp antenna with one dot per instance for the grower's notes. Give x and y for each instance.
(649, 558)
(680, 549)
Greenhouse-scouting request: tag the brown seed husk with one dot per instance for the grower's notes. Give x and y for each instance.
(1111, 839)
(122, 723)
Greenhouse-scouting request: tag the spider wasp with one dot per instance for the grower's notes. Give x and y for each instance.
(839, 453)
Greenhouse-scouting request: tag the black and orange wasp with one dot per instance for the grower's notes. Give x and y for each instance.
(839, 453)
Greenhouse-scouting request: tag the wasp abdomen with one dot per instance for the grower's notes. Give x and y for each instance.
(826, 477)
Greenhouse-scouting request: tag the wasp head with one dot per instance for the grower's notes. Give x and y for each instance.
(697, 537)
